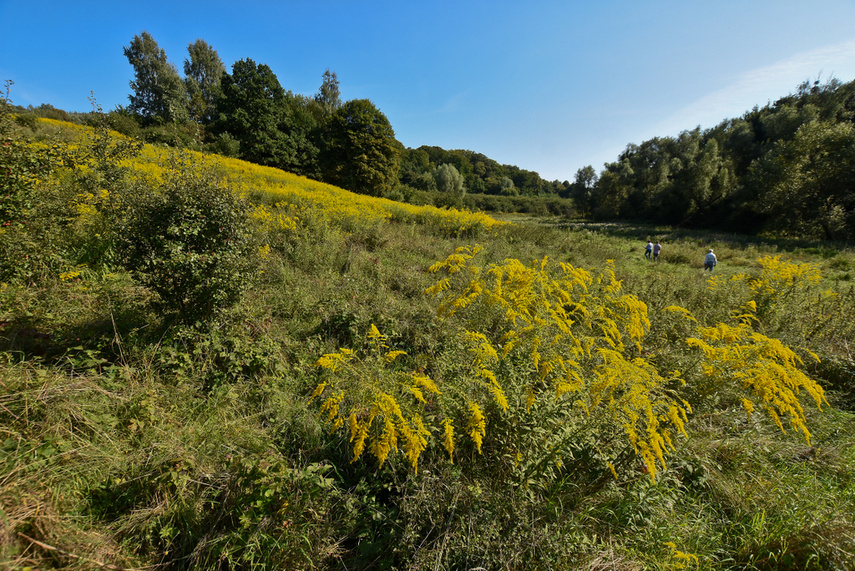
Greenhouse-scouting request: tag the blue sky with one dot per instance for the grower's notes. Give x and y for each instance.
(549, 86)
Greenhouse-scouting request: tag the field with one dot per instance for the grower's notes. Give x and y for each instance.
(397, 387)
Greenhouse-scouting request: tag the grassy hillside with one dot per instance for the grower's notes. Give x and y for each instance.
(403, 387)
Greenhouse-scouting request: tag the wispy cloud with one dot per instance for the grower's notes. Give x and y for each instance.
(454, 103)
(759, 86)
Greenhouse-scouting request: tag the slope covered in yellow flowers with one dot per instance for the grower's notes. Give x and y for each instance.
(274, 186)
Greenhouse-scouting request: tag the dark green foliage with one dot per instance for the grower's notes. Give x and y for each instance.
(304, 132)
(226, 145)
(190, 244)
(123, 121)
(360, 150)
(254, 110)
(582, 190)
(250, 109)
(785, 169)
(810, 181)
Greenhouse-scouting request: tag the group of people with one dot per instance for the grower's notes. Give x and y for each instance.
(651, 249)
(654, 250)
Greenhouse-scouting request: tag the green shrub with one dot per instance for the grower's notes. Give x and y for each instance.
(23, 167)
(189, 243)
(124, 122)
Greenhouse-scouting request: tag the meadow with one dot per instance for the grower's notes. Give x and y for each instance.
(389, 386)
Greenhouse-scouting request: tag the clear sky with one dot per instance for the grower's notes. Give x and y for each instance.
(546, 85)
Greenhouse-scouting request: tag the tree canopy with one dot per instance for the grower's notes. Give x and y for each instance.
(360, 151)
(158, 91)
(203, 72)
(448, 180)
(783, 168)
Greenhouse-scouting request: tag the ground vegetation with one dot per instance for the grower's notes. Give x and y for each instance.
(377, 384)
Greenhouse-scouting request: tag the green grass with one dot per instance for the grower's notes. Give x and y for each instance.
(132, 441)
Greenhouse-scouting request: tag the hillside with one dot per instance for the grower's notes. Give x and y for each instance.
(211, 364)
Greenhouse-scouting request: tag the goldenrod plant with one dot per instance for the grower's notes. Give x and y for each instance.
(581, 340)
(374, 390)
(580, 337)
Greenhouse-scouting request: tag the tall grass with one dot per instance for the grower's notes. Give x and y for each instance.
(134, 441)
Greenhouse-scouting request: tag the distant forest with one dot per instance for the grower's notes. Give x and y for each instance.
(786, 169)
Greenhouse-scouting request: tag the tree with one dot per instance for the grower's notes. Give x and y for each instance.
(203, 72)
(449, 180)
(328, 96)
(158, 91)
(271, 127)
(360, 151)
(250, 109)
(810, 181)
(710, 180)
(507, 187)
(582, 189)
(613, 189)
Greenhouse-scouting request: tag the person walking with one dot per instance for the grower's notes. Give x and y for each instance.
(648, 250)
(710, 261)
(656, 249)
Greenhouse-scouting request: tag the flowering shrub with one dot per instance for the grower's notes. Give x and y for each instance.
(563, 338)
(775, 289)
(23, 168)
(364, 394)
(579, 336)
(762, 367)
(570, 336)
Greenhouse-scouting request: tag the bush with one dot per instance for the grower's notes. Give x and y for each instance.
(225, 145)
(180, 136)
(23, 167)
(124, 122)
(189, 244)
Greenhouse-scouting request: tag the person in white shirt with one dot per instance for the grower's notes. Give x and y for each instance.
(710, 261)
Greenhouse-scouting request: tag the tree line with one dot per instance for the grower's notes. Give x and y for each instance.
(248, 114)
(786, 168)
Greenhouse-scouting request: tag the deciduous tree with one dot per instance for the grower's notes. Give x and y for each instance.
(449, 180)
(158, 91)
(329, 96)
(582, 189)
(251, 108)
(360, 150)
(203, 72)
(812, 177)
